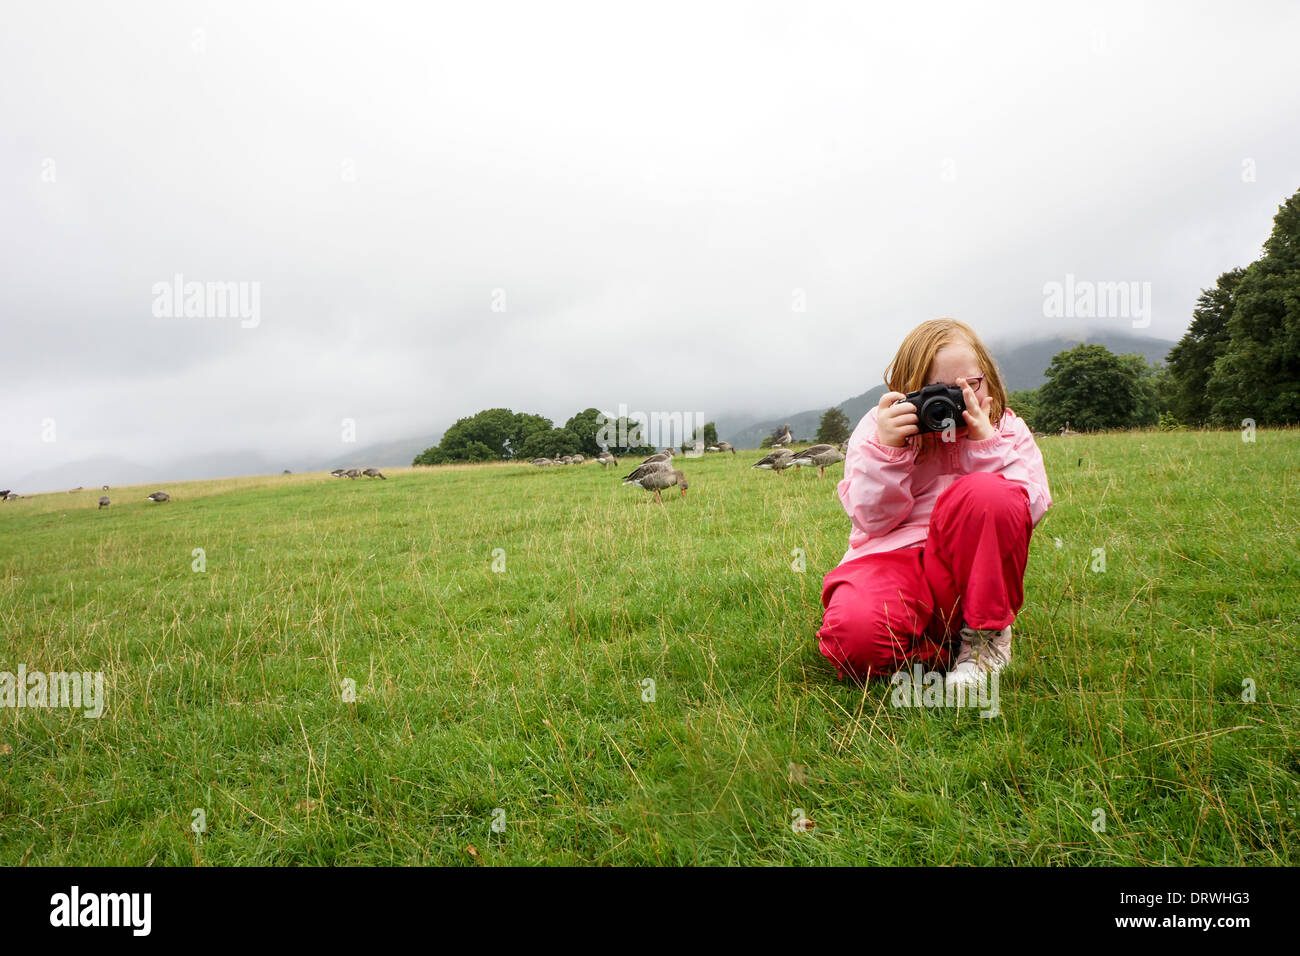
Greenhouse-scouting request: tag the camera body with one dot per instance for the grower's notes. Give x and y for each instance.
(936, 406)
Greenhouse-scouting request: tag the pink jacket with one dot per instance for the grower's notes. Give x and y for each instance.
(889, 495)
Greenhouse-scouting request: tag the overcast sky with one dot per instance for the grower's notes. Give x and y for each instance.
(547, 206)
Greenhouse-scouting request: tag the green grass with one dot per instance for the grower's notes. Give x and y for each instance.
(520, 690)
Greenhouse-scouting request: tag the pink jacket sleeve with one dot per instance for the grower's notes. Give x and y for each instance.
(876, 490)
(1014, 454)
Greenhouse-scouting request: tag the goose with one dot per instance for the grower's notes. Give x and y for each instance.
(103, 501)
(1065, 432)
(374, 473)
(664, 456)
(777, 461)
(159, 496)
(4, 494)
(606, 459)
(105, 488)
(579, 459)
(648, 468)
(784, 438)
(338, 472)
(541, 462)
(658, 480)
(726, 446)
(819, 455)
(353, 473)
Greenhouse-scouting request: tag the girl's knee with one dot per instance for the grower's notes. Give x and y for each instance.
(860, 643)
(985, 492)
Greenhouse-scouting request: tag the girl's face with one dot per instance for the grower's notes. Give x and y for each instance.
(952, 362)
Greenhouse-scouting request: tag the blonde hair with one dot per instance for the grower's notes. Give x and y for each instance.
(911, 364)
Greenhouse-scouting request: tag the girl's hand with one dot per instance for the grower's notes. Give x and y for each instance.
(894, 423)
(978, 426)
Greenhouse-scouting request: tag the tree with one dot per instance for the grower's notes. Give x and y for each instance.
(707, 433)
(481, 437)
(1258, 374)
(834, 427)
(584, 427)
(430, 456)
(1090, 387)
(492, 435)
(526, 426)
(624, 437)
(1191, 361)
(551, 443)
(1024, 403)
(1151, 391)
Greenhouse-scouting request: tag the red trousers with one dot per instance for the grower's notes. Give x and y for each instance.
(891, 609)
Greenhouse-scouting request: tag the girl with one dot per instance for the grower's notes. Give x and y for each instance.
(940, 521)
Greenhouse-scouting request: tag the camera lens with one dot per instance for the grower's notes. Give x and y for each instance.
(937, 413)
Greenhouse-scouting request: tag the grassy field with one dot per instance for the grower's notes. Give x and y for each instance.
(517, 695)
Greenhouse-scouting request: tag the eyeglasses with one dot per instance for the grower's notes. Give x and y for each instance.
(974, 383)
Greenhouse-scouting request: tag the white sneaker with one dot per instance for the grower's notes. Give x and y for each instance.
(982, 652)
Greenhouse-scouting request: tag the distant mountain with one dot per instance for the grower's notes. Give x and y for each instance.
(803, 425)
(393, 454)
(1022, 365)
(88, 473)
(111, 470)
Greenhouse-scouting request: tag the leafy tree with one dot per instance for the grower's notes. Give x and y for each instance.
(834, 427)
(1151, 393)
(1090, 387)
(526, 426)
(430, 456)
(584, 427)
(481, 437)
(1024, 403)
(492, 435)
(1191, 361)
(707, 433)
(633, 436)
(1258, 374)
(551, 443)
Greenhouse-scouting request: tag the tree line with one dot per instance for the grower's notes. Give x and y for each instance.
(499, 434)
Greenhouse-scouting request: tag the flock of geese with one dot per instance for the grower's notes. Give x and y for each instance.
(162, 497)
(158, 497)
(657, 474)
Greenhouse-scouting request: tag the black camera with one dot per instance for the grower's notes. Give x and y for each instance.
(938, 407)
